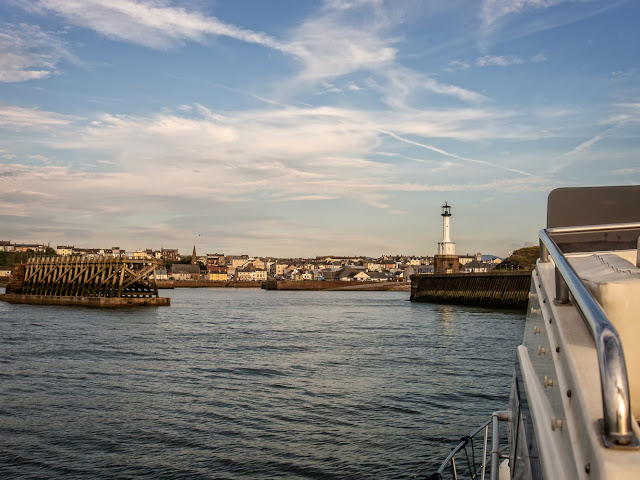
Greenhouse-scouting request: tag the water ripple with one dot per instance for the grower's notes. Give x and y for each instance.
(247, 384)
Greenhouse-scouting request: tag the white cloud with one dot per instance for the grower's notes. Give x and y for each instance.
(286, 153)
(498, 61)
(402, 83)
(7, 154)
(339, 39)
(329, 46)
(42, 158)
(309, 198)
(539, 58)
(350, 4)
(28, 53)
(493, 11)
(148, 22)
(174, 165)
(14, 117)
(627, 171)
(456, 65)
(531, 16)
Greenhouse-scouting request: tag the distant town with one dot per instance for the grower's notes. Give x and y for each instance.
(177, 266)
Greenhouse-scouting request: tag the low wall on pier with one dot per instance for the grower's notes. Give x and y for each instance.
(302, 284)
(98, 302)
(162, 284)
(498, 289)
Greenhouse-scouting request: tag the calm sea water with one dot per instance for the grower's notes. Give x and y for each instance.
(242, 384)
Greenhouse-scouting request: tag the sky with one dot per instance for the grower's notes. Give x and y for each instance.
(302, 128)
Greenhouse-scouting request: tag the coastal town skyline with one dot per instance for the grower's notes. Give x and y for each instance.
(304, 128)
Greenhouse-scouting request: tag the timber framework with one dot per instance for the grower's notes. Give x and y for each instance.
(95, 282)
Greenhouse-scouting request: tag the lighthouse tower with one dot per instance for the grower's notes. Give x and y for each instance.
(446, 246)
(446, 260)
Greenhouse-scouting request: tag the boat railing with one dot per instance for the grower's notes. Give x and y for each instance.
(470, 466)
(613, 372)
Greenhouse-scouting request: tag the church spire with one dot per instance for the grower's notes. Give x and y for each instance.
(194, 258)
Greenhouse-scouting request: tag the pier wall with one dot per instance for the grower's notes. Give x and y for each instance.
(205, 284)
(302, 284)
(508, 289)
(334, 285)
(99, 302)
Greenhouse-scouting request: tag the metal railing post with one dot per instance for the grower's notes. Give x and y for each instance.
(562, 290)
(496, 417)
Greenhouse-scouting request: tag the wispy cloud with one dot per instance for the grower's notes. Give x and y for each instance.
(402, 83)
(498, 61)
(28, 53)
(563, 161)
(336, 40)
(147, 22)
(494, 12)
(496, 15)
(627, 171)
(452, 155)
(6, 153)
(195, 154)
(456, 65)
(14, 117)
(334, 43)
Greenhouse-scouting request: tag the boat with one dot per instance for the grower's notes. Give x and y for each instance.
(576, 380)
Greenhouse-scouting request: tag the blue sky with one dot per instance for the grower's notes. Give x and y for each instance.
(302, 128)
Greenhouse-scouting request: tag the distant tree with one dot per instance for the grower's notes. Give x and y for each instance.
(522, 259)
(50, 252)
(3, 258)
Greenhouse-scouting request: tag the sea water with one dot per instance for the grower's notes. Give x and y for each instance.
(244, 383)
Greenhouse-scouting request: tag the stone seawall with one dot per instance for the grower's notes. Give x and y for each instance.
(493, 289)
(302, 284)
(333, 285)
(205, 284)
(99, 302)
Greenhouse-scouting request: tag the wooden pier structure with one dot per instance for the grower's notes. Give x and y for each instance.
(102, 282)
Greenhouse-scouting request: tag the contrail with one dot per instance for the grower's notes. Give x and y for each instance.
(452, 155)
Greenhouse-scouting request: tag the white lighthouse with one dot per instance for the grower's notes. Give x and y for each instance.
(446, 260)
(446, 246)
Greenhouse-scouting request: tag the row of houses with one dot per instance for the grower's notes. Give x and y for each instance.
(7, 246)
(221, 267)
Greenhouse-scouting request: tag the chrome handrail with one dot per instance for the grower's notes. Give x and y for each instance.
(613, 371)
(495, 445)
(594, 228)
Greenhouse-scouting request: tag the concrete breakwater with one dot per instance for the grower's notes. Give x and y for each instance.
(302, 284)
(496, 289)
(163, 284)
(100, 302)
(333, 285)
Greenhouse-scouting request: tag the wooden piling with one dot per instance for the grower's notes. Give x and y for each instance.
(42, 279)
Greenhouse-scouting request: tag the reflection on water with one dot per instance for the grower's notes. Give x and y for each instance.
(248, 384)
